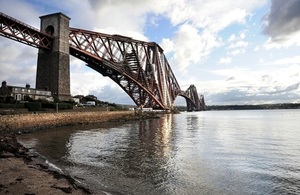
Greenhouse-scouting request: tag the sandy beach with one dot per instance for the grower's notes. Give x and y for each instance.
(23, 173)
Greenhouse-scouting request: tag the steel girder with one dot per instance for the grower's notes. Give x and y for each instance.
(19, 31)
(193, 102)
(139, 68)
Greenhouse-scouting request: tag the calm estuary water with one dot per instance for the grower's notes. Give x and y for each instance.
(211, 152)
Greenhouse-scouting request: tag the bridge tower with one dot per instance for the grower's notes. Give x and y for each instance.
(53, 66)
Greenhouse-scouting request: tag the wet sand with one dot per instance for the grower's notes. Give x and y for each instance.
(24, 173)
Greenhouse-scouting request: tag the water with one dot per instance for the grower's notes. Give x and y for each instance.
(212, 152)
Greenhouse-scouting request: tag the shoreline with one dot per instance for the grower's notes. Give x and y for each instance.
(26, 123)
(24, 172)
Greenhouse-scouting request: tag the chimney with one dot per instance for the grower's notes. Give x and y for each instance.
(4, 83)
(27, 86)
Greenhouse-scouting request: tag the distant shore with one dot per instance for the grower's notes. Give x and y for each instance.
(255, 107)
(248, 107)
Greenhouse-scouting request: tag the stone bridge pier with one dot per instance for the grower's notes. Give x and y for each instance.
(53, 66)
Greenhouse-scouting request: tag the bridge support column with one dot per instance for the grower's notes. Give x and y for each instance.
(53, 67)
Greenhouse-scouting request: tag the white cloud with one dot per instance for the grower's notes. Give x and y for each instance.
(238, 44)
(167, 45)
(226, 60)
(17, 62)
(236, 52)
(289, 40)
(232, 38)
(211, 15)
(242, 35)
(241, 86)
(191, 47)
(199, 23)
(284, 61)
(84, 79)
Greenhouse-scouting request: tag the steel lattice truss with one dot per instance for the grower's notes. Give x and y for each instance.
(193, 102)
(139, 68)
(19, 31)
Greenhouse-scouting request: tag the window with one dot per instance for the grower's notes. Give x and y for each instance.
(18, 97)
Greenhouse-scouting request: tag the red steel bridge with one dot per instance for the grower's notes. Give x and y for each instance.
(140, 68)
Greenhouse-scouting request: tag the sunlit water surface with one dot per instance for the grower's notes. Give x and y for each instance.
(212, 152)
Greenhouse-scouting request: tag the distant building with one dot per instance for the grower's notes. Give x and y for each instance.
(21, 93)
(76, 100)
(89, 100)
(92, 97)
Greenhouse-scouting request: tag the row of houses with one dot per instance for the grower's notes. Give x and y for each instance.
(22, 93)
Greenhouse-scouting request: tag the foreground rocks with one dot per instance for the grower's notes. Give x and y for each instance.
(22, 173)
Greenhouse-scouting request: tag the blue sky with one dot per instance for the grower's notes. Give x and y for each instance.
(234, 52)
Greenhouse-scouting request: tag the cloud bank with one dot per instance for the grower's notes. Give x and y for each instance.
(282, 24)
(283, 19)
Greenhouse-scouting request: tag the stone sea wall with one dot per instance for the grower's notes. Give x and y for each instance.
(10, 124)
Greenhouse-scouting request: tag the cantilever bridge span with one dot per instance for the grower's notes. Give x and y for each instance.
(140, 68)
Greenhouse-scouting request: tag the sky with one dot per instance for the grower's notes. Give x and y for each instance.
(234, 52)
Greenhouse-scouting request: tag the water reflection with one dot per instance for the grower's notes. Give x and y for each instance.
(241, 152)
(137, 154)
(155, 136)
(192, 122)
